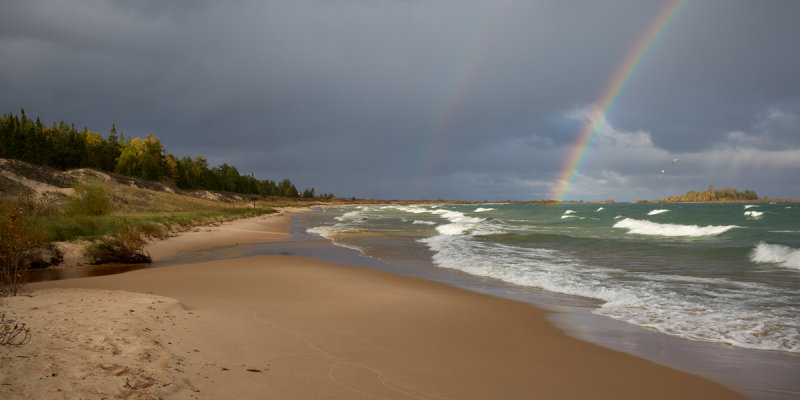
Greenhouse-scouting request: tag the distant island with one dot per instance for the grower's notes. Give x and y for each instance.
(713, 195)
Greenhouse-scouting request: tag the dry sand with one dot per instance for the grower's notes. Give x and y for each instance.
(94, 344)
(297, 328)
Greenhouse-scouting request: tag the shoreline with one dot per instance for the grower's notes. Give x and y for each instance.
(316, 329)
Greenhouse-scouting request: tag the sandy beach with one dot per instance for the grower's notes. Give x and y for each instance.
(298, 328)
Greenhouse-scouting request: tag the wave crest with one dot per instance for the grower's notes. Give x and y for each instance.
(785, 256)
(641, 227)
(656, 212)
(754, 214)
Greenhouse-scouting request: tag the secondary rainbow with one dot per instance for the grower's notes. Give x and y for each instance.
(455, 89)
(605, 103)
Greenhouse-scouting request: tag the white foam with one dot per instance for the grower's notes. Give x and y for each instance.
(695, 308)
(324, 231)
(754, 214)
(600, 209)
(656, 212)
(421, 222)
(568, 214)
(409, 209)
(459, 223)
(641, 227)
(481, 209)
(350, 216)
(783, 256)
(750, 206)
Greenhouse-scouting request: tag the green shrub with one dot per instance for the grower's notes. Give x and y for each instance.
(124, 246)
(89, 199)
(20, 243)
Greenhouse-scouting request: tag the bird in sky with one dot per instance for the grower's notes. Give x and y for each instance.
(675, 160)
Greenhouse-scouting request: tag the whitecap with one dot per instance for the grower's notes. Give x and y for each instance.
(421, 222)
(459, 223)
(481, 209)
(750, 206)
(568, 214)
(754, 214)
(351, 216)
(409, 209)
(767, 253)
(600, 209)
(641, 227)
(656, 212)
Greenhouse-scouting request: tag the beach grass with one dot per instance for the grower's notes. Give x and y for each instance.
(65, 228)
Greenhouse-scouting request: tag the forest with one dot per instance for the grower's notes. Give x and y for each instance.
(64, 147)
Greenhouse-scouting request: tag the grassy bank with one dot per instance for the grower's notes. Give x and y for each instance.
(65, 228)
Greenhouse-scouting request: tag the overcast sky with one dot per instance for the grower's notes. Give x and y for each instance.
(411, 99)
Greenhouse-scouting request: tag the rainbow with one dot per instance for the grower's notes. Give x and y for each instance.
(626, 70)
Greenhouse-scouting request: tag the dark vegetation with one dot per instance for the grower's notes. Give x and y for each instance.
(20, 244)
(126, 245)
(63, 147)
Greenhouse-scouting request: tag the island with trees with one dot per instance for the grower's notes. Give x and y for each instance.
(712, 195)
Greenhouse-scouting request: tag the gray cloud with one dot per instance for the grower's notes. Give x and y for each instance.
(404, 99)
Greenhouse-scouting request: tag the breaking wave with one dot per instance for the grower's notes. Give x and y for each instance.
(656, 212)
(641, 227)
(754, 214)
(766, 253)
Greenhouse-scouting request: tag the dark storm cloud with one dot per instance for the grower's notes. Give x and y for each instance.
(402, 99)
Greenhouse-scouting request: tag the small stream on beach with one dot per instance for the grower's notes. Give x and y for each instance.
(758, 374)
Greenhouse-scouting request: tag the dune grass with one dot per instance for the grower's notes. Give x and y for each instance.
(152, 213)
(64, 228)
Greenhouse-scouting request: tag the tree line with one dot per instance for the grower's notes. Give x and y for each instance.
(64, 147)
(714, 195)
